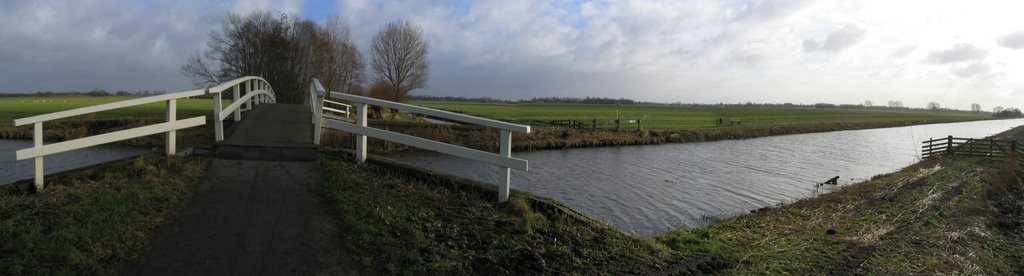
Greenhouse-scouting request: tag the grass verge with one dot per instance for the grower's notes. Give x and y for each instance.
(404, 220)
(93, 220)
(939, 216)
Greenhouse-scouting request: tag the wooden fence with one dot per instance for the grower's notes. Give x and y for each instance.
(971, 147)
(594, 124)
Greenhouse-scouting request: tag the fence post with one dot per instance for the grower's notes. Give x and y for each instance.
(949, 145)
(37, 141)
(218, 125)
(248, 89)
(618, 124)
(238, 111)
(593, 126)
(172, 115)
(506, 173)
(638, 129)
(970, 146)
(318, 118)
(361, 139)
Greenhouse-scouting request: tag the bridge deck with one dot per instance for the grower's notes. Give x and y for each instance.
(274, 125)
(281, 132)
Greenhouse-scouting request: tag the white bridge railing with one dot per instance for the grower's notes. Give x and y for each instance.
(258, 91)
(503, 158)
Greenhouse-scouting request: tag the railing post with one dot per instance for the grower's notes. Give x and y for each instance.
(37, 141)
(949, 145)
(505, 149)
(218, 125)
(248, 89)
(318, 118)
(361, 139)
(172, 115)
(238, 111)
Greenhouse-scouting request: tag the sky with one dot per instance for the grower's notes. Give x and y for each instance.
(789, 51)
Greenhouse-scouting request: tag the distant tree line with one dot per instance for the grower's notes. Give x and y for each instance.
(92, 93)
(1011, 112)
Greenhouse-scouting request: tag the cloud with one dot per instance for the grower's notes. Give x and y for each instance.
(902, 52)
(973, 69)
(959, 53)
(767, 10)
(1014, 40)
(115, 45)
(838, 40)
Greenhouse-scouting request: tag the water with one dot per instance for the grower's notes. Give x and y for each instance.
(645, 190)
(11, 170)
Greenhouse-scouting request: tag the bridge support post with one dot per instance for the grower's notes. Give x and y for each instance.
(37, 141)
(218, 125)
(504, 182)
(361, 139)
(318, 119)
(248, 89)
(238, 112)
(172, 115)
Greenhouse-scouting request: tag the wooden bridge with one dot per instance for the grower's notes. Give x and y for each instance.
(257, 210)
(273, 131)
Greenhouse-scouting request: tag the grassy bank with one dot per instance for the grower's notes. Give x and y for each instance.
(940, 216)
(411, 222)
(677, 117)
(93, 220)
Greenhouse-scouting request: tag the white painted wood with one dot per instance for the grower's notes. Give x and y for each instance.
(335, 110)
(234, 106)
(360, 138)
(107, 106)
(338, 103)
(109, 137)
(170, 140)
(433, 112)
(468, 153)
(318, 118)
(37, 141)
(218, 124)
(505, 176)
(235, 94)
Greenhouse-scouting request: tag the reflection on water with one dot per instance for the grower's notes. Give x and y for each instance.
(11, 170)
(645, 190)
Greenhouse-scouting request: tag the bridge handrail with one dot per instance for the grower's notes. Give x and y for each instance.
(169, 128)
(434, 112)
(503, 158)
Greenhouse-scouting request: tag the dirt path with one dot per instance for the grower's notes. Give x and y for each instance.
(249, 218)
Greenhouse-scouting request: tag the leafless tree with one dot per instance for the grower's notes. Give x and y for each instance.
(976, 108)
(933, 106)
(285, 50)
(399, 57)
(867, 103)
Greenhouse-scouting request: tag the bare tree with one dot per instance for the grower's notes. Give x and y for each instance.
(285, 50)
(867, 103)
(399, 57)
(933, 106)
(976, 108)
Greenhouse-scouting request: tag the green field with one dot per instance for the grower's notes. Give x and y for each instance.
(21, 107)
(674, 117)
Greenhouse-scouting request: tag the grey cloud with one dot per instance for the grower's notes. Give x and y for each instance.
(978, 68)
(959, 53)
(902, 52)
(766, 10)
(838, 40)
(1014, 40)
(81, 45)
